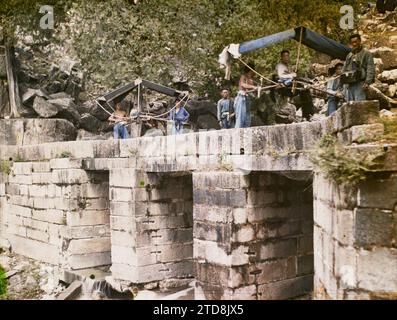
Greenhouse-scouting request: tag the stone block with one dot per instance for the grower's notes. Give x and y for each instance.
(89, 260)
(41, 178)
(221, 233)
(173, 252)
(106, 149)
(87, 218)
(290, 288)
(22, 168)
(69, 176)
(305, 244)
(378, 193)
(37, 235)
(275, 270)
(83, 246)
(122, 223)
(41, 166)
(374, 227)
(346, 266)
(21, 179)
(305, 265)
(35, 249)
(99, 204)
(65, 163)
(128, 178)
(128, 209)
(19, 210)
(215, 214)
(38, 191)
(23, 201)
(344, 226)
(121, 194)
(377, 270)
(324, 215)
(278, 249)
(233, 198)
(367, 132)
(94, 190)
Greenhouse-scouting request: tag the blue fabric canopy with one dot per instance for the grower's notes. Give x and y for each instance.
(310, 39)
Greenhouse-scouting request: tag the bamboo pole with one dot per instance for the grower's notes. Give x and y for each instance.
(13, 91)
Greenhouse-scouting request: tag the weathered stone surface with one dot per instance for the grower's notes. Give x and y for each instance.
(388, 56)
(367, 132)
(286, 289)
(66, 109)
(377, 270)
(44, 108)
(89, 122)
(29, 96)
(378, 193)
(374, 227)
(388, 76)
(35, 131)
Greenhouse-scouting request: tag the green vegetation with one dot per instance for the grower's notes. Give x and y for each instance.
(19, 158)
(340, 164)
(223, 164)
(390, 125)
(65, 154)
(3, 283)
(5, 167)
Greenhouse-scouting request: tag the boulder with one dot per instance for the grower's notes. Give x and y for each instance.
(317, 69)
(287, 114)
(66, 109)
(44, 108)
(378, 65)
(97, 111)
(90, 123)
(388, 76)
(383, 87)
(60, 95)
(391, 91)
(54, 87)
(388, 56)
(387, 114)
(85, 107)
(35, 131)
(39, 131)
(29, 95)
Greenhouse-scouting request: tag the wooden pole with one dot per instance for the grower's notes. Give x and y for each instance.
(297, 59)
(13, 90)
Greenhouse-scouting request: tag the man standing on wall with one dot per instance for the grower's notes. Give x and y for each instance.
(225, 111)
(358, 70)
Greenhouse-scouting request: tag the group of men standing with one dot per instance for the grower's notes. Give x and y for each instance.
(349, 82)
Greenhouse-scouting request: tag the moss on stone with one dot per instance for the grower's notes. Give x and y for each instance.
(339, 164)
(5, 167)
(3, 283)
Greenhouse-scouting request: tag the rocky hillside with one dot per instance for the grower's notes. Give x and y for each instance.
(58, 74)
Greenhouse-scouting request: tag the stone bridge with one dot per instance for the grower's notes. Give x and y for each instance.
(243, 211)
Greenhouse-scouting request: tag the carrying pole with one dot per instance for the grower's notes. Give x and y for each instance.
(298, 59)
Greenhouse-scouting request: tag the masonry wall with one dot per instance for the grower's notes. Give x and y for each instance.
(151, 226)
(355, 238)
(58, 213)
(252, 236)
(3, 218)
